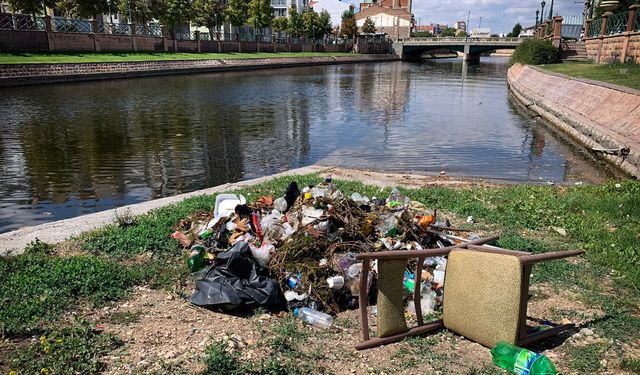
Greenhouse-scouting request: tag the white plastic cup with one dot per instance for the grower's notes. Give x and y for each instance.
(335, 282)
(438, 277)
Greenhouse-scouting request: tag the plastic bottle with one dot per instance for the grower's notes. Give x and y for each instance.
(313, 317)
(196, 258)
(521, 361)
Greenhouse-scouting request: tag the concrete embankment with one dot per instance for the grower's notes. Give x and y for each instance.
(35, 74)
(14, 242)
(605, 118)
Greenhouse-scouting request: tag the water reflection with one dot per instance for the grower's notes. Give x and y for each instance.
(71, 149)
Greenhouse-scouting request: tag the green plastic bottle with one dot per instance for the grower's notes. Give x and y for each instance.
(196, 258)
(521, 361)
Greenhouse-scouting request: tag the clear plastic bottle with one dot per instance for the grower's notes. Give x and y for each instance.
(314, 317)
(521, 361)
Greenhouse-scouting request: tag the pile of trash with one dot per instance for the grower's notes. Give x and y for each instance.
(298, 251)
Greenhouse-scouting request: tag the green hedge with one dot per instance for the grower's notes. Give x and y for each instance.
(536, 52)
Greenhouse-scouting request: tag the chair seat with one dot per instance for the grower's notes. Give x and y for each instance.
(482, 296)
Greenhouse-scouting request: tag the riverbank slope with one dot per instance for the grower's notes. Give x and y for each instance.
(12, 75)
(603, 117)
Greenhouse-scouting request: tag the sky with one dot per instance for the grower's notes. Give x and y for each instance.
(498, 15)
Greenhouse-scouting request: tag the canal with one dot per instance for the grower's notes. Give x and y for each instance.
(72, 149)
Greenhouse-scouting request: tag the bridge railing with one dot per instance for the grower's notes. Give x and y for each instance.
(462, 39)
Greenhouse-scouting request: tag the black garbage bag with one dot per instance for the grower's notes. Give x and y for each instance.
(235, 283)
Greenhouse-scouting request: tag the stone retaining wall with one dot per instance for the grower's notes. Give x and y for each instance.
(30, 74)
(614, 48)
(598, 115)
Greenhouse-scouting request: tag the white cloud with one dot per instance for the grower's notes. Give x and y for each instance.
(499, 15)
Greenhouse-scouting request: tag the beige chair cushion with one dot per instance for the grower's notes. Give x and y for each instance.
(482, 296)
(391, 318)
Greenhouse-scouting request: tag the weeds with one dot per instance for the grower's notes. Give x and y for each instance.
(71, 350)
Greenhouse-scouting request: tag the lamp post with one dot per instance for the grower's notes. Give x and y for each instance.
(543, 3)
(480, 23)
(551, 10)
(537, 13)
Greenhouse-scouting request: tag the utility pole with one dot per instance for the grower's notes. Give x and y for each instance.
(480, 23)
(466, 26)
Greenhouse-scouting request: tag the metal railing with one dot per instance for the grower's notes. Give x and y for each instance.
(69, 25)
(21, 22)
(636, 24)
(114, 28)
(463, 39)
(594, 28)
(617, 23)
(149, 30)
(184, 36)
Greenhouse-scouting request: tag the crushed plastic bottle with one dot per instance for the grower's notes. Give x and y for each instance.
(521, 361)
(313, 317)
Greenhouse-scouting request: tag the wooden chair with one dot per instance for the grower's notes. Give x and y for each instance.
(486, 293)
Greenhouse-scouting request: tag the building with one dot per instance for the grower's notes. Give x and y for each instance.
(460, 26)
(334, 7)
(280, 8)
(397, 23)
(433, 28)
(391, 4)
(481, 33)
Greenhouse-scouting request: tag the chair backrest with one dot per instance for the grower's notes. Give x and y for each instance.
(482, 296)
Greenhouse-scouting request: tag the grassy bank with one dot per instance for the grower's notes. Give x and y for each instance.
(57, 58)
(619, 74)
(101, 268)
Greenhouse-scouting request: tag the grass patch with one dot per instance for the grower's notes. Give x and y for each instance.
(631, 365)
(619, 74)
(586, 359)
(124, 317)
(37, 289)
(57, 58)
(76, 350)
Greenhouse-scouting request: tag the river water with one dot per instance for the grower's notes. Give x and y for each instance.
(72, 149)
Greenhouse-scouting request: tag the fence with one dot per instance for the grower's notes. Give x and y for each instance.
(23, 32)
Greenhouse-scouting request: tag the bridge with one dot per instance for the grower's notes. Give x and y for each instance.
(413, 48)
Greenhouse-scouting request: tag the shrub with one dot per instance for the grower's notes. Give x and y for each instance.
(536, 52)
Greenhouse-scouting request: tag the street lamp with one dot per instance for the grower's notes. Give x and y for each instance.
(537, 13)
(480, 23)
(543, 3)
(551, 10)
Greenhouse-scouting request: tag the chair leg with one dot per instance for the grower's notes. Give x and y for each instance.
(377, 341)
(529, 339)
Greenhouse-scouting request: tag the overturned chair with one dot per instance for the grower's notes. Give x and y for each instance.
(486, 294)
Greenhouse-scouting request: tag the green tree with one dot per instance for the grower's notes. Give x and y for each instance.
(142, 11)
(175, 12)
(295, 22)
(461, 34)
(280, 24)
(369, 26)
(424, 34)
(208, 13)
(237, 12)
(93, 8)
(324, 23)
(68, 8)
(517, 28)
(348, 27)
(449, 31)
(259, 12)
(31, 6)
(309, 23)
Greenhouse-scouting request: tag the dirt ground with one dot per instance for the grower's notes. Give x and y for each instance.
(164, 332)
